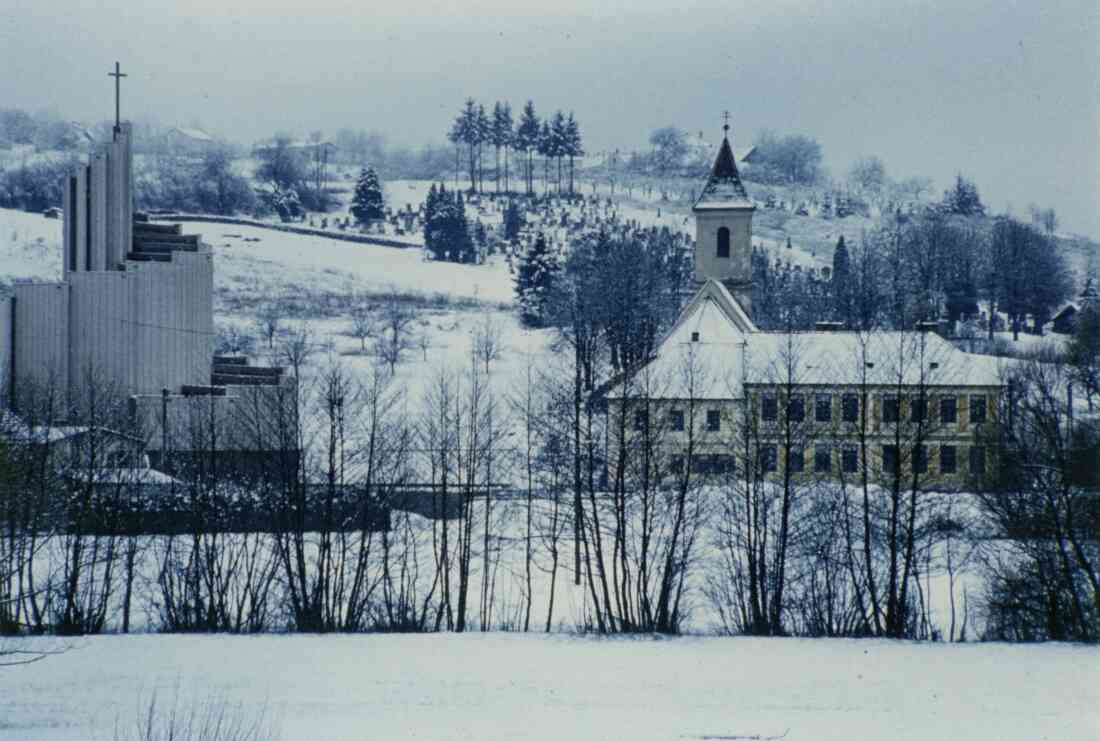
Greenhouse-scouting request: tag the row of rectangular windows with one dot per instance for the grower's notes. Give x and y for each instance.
(891, 409)
(823, 411)
(823, 460)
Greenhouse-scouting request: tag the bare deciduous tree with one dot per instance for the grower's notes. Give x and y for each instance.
(269, 322)
(361, 323)
(394, 331)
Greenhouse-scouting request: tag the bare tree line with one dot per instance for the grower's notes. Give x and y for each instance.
(795, 509)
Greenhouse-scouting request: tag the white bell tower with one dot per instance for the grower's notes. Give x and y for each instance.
(723, 228)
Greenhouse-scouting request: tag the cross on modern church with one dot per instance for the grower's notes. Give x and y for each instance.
(118, 74)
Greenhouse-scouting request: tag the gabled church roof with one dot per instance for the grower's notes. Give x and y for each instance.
(714, 296)
(724, 188)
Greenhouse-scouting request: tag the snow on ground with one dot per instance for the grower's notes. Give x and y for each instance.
(30, 246)
(441, 339)
(1033, 342)
(510, 686)
(282, 256)
(268, 260)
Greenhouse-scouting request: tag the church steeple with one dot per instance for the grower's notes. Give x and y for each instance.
(723, 227)
(724, 188)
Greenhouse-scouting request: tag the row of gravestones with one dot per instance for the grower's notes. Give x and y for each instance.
(839, 206)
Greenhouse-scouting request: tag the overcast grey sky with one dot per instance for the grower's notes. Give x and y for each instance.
(1006, 92)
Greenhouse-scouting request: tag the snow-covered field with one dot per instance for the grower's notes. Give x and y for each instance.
(283, 258)
(511, 686)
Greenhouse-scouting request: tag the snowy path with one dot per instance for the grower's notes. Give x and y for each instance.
(508, 686)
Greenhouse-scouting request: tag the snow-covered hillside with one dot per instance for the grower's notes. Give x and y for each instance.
(30, 248)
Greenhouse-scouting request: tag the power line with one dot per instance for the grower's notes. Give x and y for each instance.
(150, 325)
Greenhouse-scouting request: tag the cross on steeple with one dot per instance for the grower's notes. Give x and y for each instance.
(118, 75)
(726, 118)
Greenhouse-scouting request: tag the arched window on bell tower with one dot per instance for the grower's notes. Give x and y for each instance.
(723, 242)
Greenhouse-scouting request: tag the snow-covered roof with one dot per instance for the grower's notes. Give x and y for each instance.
(711, 354)
(196, 134)
(81, 131)
(133, 476)
(17, 430)
(1067, 308)
(712, 312)
(724, 188)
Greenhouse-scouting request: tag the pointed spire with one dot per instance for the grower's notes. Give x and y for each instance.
(724, 188)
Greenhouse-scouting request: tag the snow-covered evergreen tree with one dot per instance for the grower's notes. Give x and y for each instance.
(461, 247)
(538, 269)
(435, 222)
(446, 231)
(963, 198)
(368, 204)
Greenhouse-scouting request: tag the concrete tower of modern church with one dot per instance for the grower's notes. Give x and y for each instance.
(134, 308)
(133, 312)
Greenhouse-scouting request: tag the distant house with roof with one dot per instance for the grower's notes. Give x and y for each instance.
(1065, 318)
(312, 149)
(702, 149)
(192, 141)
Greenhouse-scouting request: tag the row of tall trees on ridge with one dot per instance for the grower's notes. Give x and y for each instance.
(557, 139)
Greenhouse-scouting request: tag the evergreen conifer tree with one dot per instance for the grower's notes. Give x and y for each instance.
(1083, 351)
(467, 129)
(436, 218)
(842, 283)
(559, 143)
(526, 141)
(573, 145)
(484, 134)
(538, 269)
(544, 145)
(368, 204)
(513, 221)
(446, 231)
(502, 132)
(963, 198)
(460, 246)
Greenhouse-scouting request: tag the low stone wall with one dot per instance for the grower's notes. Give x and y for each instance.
(291, 228)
